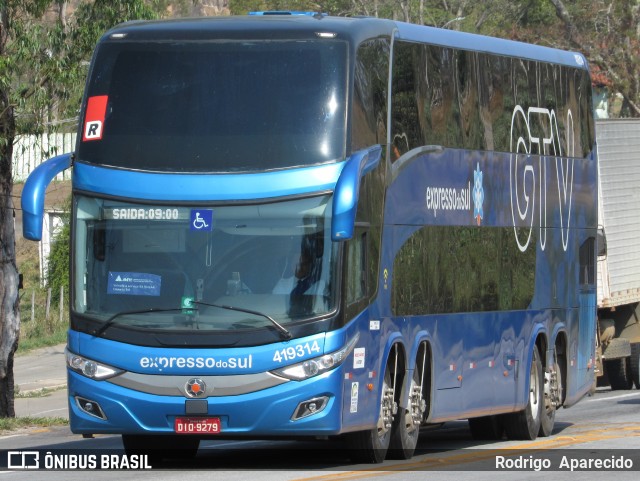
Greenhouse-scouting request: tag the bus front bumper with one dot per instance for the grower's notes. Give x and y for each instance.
(101, 407)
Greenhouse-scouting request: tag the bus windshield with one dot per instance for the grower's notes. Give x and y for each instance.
(221, 268)
(216, 106)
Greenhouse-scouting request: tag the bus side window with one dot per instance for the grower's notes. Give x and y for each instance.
(356, 285)
(587, 262)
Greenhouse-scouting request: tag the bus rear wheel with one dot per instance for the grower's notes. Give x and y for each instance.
(371, 446)
(406, 426)
(553, 394)
(525, 425)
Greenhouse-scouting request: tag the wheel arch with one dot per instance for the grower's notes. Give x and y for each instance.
(420, 348)
(394, 346)
(560, 346)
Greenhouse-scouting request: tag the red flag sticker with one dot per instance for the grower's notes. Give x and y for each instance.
(94, 117)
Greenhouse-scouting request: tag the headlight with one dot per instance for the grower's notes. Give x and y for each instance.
(317, 365)
(89, 368)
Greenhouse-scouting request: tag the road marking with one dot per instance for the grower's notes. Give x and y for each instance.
(621, 396)
(442, 460)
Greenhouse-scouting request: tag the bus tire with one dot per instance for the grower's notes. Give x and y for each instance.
(159, 447)
(486, 428)
(548, 419)
(371, 446)
(406, 426)
(525, 424)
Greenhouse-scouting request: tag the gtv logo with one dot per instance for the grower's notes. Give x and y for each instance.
(535, 133)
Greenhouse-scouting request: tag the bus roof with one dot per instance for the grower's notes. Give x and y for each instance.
(492, 45)
(352, 29)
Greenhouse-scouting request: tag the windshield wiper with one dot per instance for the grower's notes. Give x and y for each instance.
(283, 330)
(112, 320)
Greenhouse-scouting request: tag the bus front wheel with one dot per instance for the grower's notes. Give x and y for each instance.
(371, 446)
(525, 425)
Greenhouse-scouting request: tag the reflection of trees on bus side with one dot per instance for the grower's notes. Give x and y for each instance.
(462, 269)
(463, 99)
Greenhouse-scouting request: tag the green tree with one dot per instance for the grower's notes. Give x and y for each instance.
(608, 33)
(58, 269)
(242, 7)
(18, 43)
(42, 70)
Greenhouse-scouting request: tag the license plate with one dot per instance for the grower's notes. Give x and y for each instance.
(197, 426)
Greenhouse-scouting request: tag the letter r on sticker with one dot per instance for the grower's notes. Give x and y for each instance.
(93, 130)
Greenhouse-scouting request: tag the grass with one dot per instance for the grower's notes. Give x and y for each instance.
(12, 424)
(36, 329)
(37, 393)
(30, 342)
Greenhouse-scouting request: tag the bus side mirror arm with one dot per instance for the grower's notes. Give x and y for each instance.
(347, 191)
(34, 191)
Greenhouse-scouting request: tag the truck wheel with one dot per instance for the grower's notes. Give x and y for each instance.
(371, 446)
(635, 361)
(619, 373)
(525, 424)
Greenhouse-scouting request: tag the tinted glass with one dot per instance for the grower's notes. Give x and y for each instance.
(462, 269)
(217, 106)
(466, 100)
(130, 259)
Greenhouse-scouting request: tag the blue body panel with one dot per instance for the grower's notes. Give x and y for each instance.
(257, 414)
(261, 413)
(496, 347)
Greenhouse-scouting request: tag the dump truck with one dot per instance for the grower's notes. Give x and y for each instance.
(618, 336)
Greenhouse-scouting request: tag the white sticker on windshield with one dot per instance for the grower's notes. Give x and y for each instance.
(134, 284)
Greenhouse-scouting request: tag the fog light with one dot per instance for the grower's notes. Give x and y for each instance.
(92, 408)
(312, 406)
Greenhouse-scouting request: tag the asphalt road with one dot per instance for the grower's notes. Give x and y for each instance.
(41, 369)
(605, 425)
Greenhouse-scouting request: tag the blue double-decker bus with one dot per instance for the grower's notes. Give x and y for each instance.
(346, 228)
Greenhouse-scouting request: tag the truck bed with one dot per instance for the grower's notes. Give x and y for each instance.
(619, 209)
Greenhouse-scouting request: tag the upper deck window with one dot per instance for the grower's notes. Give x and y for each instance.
(216, 106)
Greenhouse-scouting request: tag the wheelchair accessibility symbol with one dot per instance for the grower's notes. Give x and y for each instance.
(202, 219)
